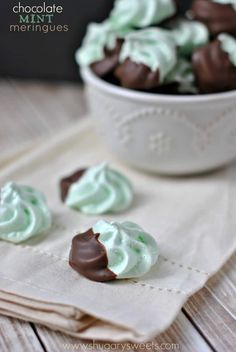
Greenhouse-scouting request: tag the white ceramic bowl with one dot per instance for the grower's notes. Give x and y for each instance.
(167, 134)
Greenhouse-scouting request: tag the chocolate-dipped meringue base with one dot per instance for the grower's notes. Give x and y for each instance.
(137, 76)
(66, 182)
(88, 257)
(217, 17)
(109, 63)
(213, 69)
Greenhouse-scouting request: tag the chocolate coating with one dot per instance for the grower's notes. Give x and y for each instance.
(213, 69)
(136, 76)
(109, 63)
(66, 182)
(89, 258)
(217, 17)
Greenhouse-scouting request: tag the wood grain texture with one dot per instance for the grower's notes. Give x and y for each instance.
(17, 336)
(181, 336)
(31, 110)
(222, 287)
(213, 309)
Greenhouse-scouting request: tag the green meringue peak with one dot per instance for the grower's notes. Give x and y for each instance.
(228, 45)
(141, 13)
(98, 37)
(100, 190)
(182, 73)
(130, 250)
(188, 35)
(153, 47)
(23, 213)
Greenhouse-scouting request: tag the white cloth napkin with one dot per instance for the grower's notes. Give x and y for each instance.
(193, 220)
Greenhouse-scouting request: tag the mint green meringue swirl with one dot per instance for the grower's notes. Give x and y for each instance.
(100, 190)
(141, 13)
(188, 35)
(228, 45)
(226, 2)
(152, 47)
(98, 37)
(182, 73)
(130, 250)
(23, 213)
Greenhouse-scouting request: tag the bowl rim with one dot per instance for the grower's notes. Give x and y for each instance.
(89, 76)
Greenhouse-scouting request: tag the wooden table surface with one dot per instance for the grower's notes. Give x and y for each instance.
(30, 111)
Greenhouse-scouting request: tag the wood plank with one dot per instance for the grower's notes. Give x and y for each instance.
(181, 336)
(56, 103)
(17, 336)
(212, 309)
(30, 110)
(222, 286)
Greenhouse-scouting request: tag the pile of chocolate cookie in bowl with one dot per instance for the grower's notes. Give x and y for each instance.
(147, 45)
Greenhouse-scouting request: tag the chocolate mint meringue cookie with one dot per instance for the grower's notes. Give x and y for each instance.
(141, 13)
(97, 190)
(111, 250)
(146, 57)
(188, 35)
(214, 65)
(100, 48)
(23, 213)
(218, 15)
